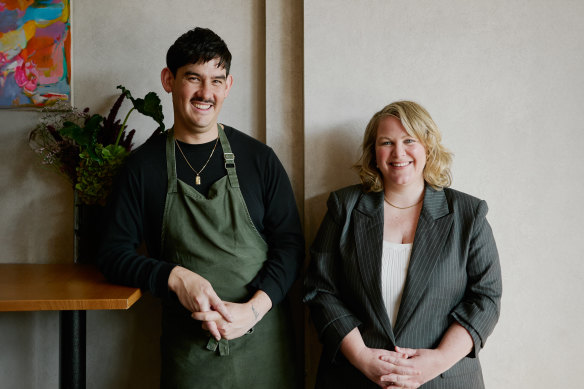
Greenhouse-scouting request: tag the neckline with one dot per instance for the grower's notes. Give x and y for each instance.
(195, 146)
(396, 245)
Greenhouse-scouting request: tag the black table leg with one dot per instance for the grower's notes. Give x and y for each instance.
(72, 350)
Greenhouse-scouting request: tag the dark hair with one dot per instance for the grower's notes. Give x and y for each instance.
(198, 45)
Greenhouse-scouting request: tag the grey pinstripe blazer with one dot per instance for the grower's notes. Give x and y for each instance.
(453, 275)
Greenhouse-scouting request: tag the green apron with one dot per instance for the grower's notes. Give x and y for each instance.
(215, 237)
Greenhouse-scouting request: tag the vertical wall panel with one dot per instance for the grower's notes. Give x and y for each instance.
(114, 42)
(284, 99)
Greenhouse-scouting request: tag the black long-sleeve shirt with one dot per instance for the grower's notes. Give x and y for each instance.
(136, 208)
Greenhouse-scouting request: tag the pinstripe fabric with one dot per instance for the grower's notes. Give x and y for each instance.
(453, 274)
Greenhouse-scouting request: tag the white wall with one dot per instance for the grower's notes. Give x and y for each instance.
(503, 80)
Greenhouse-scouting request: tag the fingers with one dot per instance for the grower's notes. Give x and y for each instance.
(397, 359)
(401, 367)
(397, 381)
(207, 316)
(405, 371)
(410, 352)
(210, 318)
(402, 372)
(205, 300)
(211, 326)
(217, 310)
(220, 307)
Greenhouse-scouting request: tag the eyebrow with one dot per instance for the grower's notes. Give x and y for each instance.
(189, 73)
(401, 137)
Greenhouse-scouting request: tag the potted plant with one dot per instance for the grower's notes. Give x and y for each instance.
(88, 150)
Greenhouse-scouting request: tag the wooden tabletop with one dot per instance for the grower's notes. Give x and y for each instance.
(52, 287)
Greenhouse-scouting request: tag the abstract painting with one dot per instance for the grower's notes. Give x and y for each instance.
(35, 52)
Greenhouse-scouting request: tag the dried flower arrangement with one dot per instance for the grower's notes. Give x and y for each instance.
(90, 149)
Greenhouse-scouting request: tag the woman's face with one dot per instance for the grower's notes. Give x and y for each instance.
(400, 157)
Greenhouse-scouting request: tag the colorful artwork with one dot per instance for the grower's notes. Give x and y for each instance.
(35, 52)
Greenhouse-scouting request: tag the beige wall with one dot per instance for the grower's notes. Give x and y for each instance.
(503, 80)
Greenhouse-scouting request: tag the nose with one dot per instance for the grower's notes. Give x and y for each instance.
(398, 149)
(205, 92)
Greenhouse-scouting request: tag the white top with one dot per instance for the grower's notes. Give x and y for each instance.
(395, 259)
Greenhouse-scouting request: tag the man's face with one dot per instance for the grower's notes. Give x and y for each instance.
(198, 91)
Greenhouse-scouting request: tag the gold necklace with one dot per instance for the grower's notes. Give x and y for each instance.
(395, 206)
(198, 173)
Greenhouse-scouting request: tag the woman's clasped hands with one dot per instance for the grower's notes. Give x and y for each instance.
(386, 368)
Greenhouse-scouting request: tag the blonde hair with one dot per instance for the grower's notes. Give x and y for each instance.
(417, 123)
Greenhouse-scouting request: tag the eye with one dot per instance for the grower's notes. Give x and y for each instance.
(409, 141)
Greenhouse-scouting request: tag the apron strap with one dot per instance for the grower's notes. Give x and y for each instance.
(229, 158)
(170, 162)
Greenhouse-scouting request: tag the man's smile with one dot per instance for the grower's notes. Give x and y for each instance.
(202, 105)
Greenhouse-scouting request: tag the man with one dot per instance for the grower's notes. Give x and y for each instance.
(217, 214)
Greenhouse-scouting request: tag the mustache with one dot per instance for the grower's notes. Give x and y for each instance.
(199, 100)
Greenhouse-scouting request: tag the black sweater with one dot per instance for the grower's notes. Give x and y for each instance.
(135, 210)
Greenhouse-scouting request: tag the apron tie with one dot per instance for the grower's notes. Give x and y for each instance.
(222, 344)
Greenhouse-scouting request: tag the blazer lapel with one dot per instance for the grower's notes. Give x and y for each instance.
(433, 227)
(368, 221)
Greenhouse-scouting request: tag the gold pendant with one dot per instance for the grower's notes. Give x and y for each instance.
(198, 180)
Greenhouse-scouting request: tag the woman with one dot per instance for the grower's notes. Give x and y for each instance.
(404, 286)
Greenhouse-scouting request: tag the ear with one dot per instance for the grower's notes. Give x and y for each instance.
(167, 79)
(228, 84)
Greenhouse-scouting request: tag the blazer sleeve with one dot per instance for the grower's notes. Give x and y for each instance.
(331, 317)
(480, 307)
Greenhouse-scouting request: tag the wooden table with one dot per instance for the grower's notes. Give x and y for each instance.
(71, 289)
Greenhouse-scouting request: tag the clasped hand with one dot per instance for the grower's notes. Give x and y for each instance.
(222, 319)
(243, 319)
(386, 368)
(197, 295)
(411, 367)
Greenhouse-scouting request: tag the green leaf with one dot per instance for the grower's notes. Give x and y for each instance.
(85, 137)
(114, 153)
(150, 105)
(153, 108)
(126, 92)
(75, 132)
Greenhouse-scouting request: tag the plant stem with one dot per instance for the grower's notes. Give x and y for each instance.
(123, 126)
